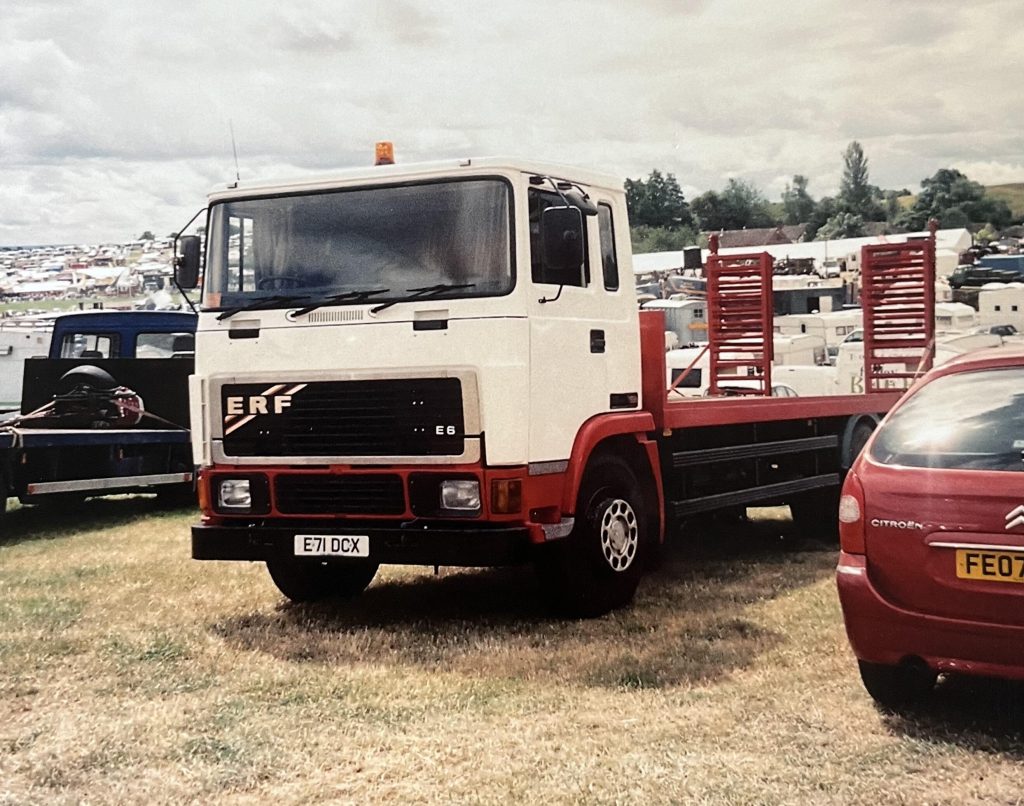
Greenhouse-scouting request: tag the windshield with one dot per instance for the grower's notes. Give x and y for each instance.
(337, 247)
(969, 420)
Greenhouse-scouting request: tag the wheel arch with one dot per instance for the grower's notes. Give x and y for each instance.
(624, 436)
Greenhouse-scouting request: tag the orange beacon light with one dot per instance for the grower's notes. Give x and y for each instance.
(385, 153)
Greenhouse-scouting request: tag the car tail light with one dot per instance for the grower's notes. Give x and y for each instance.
(851, 516)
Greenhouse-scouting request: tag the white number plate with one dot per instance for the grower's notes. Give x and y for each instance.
(332, 546)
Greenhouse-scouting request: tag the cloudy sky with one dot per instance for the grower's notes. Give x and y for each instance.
(115, 115)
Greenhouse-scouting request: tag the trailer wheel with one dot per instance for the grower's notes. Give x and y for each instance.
(598, 566)
(310, 581)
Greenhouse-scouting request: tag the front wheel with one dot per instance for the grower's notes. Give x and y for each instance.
(311, 581)
(597, 568)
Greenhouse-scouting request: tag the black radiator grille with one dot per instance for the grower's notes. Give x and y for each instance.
(321, 494)
(402, 417)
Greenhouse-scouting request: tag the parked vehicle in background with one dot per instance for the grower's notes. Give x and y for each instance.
(931, 569)
(106, 411)
(21, 337)
(1004, 269)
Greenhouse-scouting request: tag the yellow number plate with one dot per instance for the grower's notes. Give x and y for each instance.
(997, 566)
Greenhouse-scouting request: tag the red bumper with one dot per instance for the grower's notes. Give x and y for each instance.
(881, 632)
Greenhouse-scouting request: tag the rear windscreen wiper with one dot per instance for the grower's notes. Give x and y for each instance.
(423, 293)
(347, 296)
(265, 302)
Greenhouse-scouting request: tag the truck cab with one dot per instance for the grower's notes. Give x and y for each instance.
(429, 286)
(408, 353)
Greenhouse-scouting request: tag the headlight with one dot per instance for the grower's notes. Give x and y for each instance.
(460, 494)
(234, 494)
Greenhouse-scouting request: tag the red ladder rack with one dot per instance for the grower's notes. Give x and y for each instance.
(739, 293)
(898, 299)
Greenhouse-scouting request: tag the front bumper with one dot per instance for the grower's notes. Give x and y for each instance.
(881, 632)
(408, 543)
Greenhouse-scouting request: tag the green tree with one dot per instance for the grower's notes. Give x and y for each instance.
(740, 205)
(797, 204)
(661, 239)
(744, 206)
(147, 236)
(823, 211)
(657, 201)
(891, 204)
(842, 225)
(857, 195)
(955, 201)
(707, 209)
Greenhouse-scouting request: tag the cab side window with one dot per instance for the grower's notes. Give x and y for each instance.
(609, 262)
(89, 345)
(165, 345)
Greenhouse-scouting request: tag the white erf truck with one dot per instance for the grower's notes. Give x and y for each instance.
(445, 364)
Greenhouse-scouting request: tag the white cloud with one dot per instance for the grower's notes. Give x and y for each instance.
(114, 115)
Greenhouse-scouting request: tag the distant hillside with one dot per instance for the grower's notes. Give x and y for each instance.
(1012, 194)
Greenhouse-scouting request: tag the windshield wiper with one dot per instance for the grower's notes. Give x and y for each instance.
(266, 302)
(347, 296)
(423, 293)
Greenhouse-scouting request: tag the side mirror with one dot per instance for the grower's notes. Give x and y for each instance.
(186, 262)
(562, 243)
(577, 199)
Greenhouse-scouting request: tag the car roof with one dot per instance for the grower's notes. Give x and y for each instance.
(988, 358)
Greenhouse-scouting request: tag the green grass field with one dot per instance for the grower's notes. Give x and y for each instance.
(131, 674)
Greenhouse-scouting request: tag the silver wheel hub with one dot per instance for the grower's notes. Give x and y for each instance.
(620, 534)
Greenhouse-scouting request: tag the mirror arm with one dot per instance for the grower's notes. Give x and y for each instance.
(544, 299)
(186, 297)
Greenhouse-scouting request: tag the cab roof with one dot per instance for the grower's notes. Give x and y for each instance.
(390, 174)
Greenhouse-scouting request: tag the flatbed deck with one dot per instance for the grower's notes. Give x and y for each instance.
(19, 437)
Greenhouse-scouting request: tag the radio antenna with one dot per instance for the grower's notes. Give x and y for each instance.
(234, 150)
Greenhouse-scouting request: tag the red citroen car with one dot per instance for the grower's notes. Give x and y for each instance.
(931, 523)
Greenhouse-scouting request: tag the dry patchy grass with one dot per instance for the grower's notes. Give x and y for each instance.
(132, 674)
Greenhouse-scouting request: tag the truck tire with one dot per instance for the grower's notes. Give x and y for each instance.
(818, 511)
(310, 581)
(86, 375)
(896, 686)
(597, 568)
(859, 438)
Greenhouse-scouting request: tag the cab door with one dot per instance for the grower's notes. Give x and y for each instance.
(584, 335)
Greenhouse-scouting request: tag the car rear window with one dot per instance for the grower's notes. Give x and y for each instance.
(969, 420)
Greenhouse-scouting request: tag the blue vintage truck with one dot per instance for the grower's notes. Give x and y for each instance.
(106, 411)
